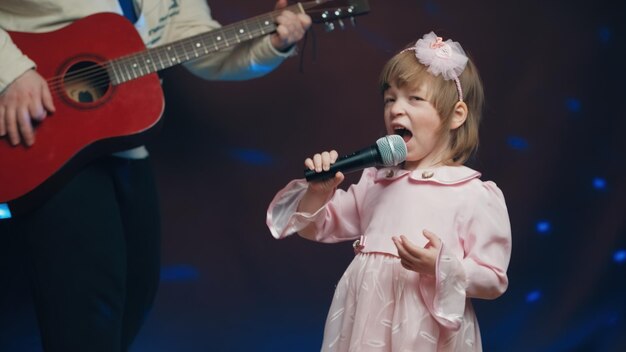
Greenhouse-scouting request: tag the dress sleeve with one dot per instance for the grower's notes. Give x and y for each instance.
(250, 59)
(337, 220)
(444, 293)
(487, 245)
(481, 273)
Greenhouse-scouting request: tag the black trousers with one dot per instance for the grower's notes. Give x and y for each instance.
(93, 256)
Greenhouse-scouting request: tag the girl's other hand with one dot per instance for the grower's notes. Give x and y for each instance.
(414, 258)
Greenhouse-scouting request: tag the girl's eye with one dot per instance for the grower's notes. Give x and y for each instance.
(415, 97)
(388, 100)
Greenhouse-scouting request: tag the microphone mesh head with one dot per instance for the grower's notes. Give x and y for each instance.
(392, 149)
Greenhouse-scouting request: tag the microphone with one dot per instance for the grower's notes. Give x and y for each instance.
(388, 151)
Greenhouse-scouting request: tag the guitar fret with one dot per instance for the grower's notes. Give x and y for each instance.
(230, 35)
(136, 67)
(166, 56)
(214, 41)
(186, 52)
(150, 60)
(246, 30)
(112, 71)
(130, 69)
(195, 45)
(143, 63)
(201, 45)
(203, 39)
(116, 70)
(260, 25)
(221, 38)
(159, 51)
(234, 33)
(125, 71)
(170, 58)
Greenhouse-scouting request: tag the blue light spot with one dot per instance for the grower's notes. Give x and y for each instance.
(251, 156)
(374, 39)
(517, 143)
(604, 33)
(105, 309)
(533, 296)
(613, 318)
(432, 8)
(573, 105)
(543, 226)
(599, 183)
(181, 272)
(5, 212)
(620, 256)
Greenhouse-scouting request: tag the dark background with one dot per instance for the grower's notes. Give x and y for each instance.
(552, 139)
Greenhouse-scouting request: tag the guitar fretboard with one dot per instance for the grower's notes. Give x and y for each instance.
(155, 59)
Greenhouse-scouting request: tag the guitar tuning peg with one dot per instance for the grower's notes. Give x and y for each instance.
(329, 26)
(341, 25)
(353, 21)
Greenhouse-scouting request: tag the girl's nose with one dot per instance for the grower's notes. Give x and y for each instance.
(396, 108)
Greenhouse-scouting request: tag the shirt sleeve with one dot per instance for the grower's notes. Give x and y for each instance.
(14, 62)
(249, 59)
(337, 220)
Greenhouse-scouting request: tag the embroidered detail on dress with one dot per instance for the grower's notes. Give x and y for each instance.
(337, 314)
(333, 342)
(375, 343)
(428, 337)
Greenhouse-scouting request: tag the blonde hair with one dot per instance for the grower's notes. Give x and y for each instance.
(403, 69)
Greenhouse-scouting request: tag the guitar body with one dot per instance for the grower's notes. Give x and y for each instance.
(107, 94)
(93, 117)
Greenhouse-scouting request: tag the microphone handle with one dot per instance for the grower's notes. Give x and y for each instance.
(349, 163)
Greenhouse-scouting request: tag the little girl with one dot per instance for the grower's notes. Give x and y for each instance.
(430, 235)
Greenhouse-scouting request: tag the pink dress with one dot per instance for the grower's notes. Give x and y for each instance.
(380, 306)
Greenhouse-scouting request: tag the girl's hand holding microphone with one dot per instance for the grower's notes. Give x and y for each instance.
(321, 162)
(319, 191)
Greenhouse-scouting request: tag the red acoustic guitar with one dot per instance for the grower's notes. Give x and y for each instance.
(107, 94)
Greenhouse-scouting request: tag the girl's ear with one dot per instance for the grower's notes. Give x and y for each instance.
(459, 115)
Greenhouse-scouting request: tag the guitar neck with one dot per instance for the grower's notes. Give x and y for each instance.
(155, 59)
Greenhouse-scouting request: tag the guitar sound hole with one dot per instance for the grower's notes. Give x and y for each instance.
(86, 82)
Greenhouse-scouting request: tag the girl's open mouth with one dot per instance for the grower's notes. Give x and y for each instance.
(404, 133)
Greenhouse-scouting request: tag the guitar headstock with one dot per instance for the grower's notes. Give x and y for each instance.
(329, 11)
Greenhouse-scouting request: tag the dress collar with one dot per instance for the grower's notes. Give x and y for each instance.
(445, 175)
